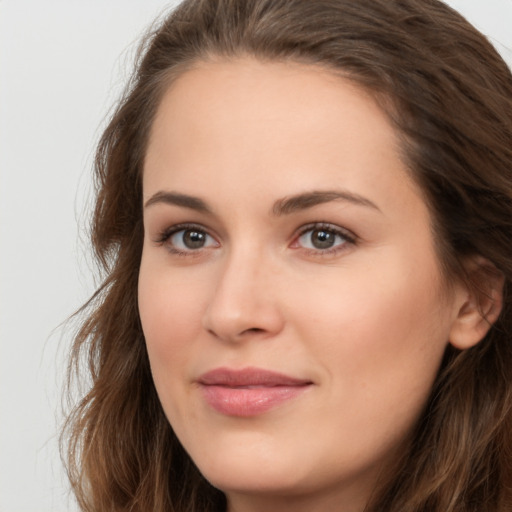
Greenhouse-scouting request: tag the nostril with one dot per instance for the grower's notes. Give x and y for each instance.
(253, 330)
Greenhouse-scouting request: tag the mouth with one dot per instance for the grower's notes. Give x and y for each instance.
(249, 391)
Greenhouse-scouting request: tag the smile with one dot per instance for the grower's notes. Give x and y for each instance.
(248, 392)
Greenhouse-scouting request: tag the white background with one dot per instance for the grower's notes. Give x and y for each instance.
(62, 64)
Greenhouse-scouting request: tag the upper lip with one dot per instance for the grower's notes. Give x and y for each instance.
(230, 377)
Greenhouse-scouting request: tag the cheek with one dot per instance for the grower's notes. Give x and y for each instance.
(384, 331)
(170, 313)
(380, 340)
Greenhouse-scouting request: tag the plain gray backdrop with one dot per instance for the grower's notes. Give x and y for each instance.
(62, 65)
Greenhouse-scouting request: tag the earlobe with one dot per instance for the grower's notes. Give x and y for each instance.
(479, 305)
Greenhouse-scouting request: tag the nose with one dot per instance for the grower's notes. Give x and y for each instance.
(244, 304)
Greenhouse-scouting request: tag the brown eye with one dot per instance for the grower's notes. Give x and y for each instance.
(190, 239)
(323, 238)
(194, 239)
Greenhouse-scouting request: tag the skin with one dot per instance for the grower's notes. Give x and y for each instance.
(366, 321)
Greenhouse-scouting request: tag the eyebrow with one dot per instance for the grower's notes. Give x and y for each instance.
(177, 199)
(284, 206)
(307, 200)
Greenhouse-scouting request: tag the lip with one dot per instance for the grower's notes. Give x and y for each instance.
(249, 391)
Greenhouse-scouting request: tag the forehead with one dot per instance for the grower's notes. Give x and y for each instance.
(271, 94)
(244, 122)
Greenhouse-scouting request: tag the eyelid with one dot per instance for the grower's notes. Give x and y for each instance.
(166, 234)
(328, 226)
(349, 236)
(163, 236)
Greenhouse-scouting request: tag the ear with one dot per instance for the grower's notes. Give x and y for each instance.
(479, 303)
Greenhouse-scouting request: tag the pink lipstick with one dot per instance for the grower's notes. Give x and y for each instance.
(250, 391)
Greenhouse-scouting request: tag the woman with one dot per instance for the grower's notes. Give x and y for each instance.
(304, 215)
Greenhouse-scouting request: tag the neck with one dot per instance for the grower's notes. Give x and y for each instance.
(349, 499)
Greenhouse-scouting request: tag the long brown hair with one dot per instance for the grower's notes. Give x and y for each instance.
(449, 95)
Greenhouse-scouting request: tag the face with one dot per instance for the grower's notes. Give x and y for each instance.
(290, 295)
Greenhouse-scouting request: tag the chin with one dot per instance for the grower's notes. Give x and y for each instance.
(255, 481)
(246, 472)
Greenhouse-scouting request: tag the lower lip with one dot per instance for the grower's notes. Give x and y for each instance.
(249, 401)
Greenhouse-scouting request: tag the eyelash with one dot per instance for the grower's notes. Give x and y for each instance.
(349, 238)
(165, 235)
